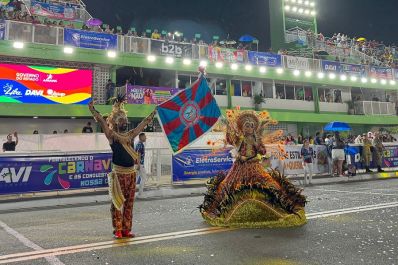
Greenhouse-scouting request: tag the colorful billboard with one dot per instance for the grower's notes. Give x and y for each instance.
(44, 85)
(217, 54)
(149, 95)
(381, 72)
(51, 173)
(53, 10)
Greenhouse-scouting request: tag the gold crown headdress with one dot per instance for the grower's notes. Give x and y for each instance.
(118, 111)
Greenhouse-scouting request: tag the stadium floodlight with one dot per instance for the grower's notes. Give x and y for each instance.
(321, 75)
(364, 80)
(307, 12)
(169, 60)
(354, 78)
(308, 74)
(300, 2)
(18, 45)
(312, 4)
(313, 13)
(187, 61)
(383, 82)
(219, 64)
(248, 67)
(234, 66)
(296, 72)
(373, 80)
(287, 8)
(393, 83)
(343, 77)
(279, 70)
(294, 1)
(301, 10)
(294, 9)
(263, 70)
(68, 50)
(307, 3)
(151, 58)
(203, 63)
(332, 76)
(35, 117)
(111, 54)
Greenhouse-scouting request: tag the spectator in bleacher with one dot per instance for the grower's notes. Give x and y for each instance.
(35, 132)
(110, 90)
(10, 145)
(155, 35)
(108, 29)
(143, 34)
(87, 128)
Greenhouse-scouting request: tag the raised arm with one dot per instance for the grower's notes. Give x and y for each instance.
(16, 138)
(98, 118)
(135, 132)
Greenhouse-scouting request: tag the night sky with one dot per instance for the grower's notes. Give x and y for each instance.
(366, 18)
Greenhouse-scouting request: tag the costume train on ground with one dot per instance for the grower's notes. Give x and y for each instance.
(250, 196)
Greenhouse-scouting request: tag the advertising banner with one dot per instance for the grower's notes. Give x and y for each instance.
(200, 164)
(380, 72)
(53, 10)
(344, 68)
(293, 164)
(174, 49)
(149, 95)
(353, 69)
(90, 40)
(44, 85)
(2, 29)
(217, 54)
(265, 58)
(51, 173)
(390, 157)
(329, 66)
(297, 63)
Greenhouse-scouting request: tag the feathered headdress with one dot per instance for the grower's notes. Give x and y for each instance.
(118, 111)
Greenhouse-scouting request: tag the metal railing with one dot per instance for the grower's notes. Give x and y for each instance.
(375, 108)
(43, 34)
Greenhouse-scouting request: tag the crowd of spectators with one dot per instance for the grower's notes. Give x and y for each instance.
(382, 54)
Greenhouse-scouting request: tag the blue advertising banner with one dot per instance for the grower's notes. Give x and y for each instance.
(381, 72)
(90, 40)
(329, 66)
(353, 69)
(50, 173)
(2, 29)
(200, 164)
(265, 58)
(390, 157)
(344, 68)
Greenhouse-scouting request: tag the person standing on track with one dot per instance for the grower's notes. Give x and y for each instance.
(122, 179)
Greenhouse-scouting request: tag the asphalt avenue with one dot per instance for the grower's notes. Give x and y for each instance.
(350, 223)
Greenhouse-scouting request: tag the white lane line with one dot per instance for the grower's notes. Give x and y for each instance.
(357, 192)
(51, 259)
(18, 257)
(352, 211)
(355, 208)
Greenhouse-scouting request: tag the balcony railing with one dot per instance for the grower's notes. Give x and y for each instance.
(35, 33)
(375, 108)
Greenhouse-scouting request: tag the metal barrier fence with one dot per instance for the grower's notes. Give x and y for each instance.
(374, 108)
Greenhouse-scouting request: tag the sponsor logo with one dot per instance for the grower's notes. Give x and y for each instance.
(35, 93)
(27, 77)
(50, 79)
(55, 94)
(9, 90)
(15, 175)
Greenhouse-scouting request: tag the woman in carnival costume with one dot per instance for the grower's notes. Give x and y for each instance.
(122, 179)
(249, 195)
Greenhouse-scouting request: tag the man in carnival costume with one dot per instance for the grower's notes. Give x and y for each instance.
(122, 179)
